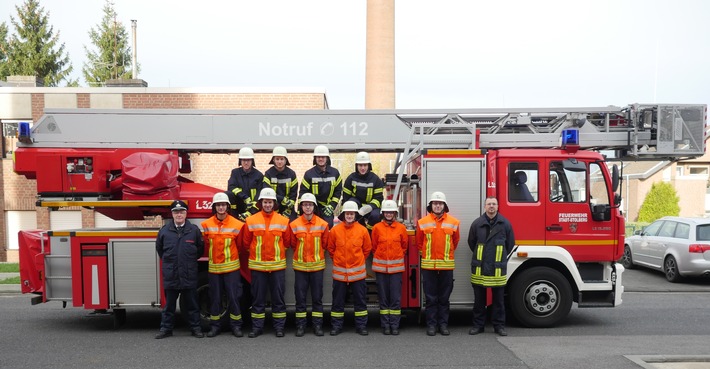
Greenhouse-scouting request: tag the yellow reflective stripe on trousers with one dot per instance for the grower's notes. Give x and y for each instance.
(279, 315)
(395, 312)
(317, 314)
(361, 313)
(235, 317)
(258, 316)
(384, 312)
(337, 314)
(301, 314)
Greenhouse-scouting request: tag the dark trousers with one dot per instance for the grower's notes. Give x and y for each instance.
(337, 311)
(231, 285)
(389, 292)
(479, 306)
(369, 220)
(438, 285)
(260, 283)
(304, 281)
(167, 322)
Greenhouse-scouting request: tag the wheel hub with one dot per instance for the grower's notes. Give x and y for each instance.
(541, 298)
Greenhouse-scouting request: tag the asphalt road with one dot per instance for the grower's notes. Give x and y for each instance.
(656, 318)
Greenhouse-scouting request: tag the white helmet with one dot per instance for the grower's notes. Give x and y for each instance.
(279, 151)
(267, 193)
(246, 153)
(362, 158)
(309, 197)
(437, 196)
(220, 197)
(350, 206)
(321, 150)
(389, 205)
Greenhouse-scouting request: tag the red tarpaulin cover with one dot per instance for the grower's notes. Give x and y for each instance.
(150, 176)
(32, 260)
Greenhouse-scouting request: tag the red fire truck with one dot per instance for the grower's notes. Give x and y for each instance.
(547, 167)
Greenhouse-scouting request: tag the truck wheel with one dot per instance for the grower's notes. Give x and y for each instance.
(119, 318)
(540, 297)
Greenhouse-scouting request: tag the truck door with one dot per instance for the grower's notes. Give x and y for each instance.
(519, 199)
(572, 188)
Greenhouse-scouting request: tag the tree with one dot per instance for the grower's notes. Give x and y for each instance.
(3, 51)
(111, 57)
(662, 200)
(33, 50)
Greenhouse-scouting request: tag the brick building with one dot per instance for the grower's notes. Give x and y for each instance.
(22, 101)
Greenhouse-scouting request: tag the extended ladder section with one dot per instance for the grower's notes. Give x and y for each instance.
(641, 131)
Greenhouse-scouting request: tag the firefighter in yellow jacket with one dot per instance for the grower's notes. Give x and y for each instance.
(438, 236)
(222, 233)
(267, 237)
(389, 245)
(308, 241)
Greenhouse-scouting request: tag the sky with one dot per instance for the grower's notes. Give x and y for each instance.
(448, 53)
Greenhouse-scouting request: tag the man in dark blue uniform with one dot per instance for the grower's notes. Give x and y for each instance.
(179, 245)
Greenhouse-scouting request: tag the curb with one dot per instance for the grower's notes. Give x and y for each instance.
(10, 289)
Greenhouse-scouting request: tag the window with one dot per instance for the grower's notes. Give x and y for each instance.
(667, 229)
(682, 231)
(598, 193)
(522, 182)
(698, 171)
(567, 185)
(703, 233)
(652, 229)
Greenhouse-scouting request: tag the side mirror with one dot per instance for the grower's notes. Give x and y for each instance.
(614, 178)
(638, 232)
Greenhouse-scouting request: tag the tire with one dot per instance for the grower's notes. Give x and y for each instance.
(670, 269)
(627, 260)
(119, 318)
(540, 297)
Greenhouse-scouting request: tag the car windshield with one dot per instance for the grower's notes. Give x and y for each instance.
(703, 232)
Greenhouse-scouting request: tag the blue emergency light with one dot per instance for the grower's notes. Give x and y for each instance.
(570, 137)
(23, 132)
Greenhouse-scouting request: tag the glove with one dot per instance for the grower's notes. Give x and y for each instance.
(286, 202)
(328, 210)
(243, 216)
(365, 209)
(248, 202)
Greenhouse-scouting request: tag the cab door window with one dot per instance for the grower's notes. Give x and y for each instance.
(567, 185)
(523, 182)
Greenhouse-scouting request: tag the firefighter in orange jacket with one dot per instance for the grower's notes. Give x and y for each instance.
(223, 238)
(438, 236)
(349, 246)
(309, 237)
(266, 234)
(389, 244)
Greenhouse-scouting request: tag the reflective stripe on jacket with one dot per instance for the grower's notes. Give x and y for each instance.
(309, 239)
(389, 243)
(224, 242)
(326, 185)
(266, 235)
(349, 246)
(365, 189)
(491, 242)
(437, 239)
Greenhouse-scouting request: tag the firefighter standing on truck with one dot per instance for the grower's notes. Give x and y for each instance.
(349, 246)
(324, 182)
(389, 245)
(309, 238)
(244, 184)
(283, 180)
(223, 238)
(438, 236)
(179, 244)
(267, 237)
(491, 239)
(366, 189)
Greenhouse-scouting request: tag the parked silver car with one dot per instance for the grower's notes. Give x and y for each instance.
(680, 247)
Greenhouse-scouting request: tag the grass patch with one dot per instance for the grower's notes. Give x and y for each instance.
(9, 268)
(13, 280)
